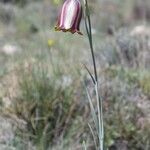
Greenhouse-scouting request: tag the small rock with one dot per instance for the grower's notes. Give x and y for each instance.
(9, 49)
(140, 30)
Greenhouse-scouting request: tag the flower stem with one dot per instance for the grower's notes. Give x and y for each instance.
(89, 33)
(96, 85)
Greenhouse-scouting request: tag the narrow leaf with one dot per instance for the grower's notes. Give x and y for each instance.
(94, 117)
(90, 74)
(94, 136)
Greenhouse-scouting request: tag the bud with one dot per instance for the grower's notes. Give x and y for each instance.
(70, 17)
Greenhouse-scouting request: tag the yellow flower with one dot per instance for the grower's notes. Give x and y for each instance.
(50, 42)
(56, 2)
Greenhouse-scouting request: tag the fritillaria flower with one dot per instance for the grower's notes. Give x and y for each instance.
(70, 17)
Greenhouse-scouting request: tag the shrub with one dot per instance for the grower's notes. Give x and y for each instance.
(145, 84)
(46, 107)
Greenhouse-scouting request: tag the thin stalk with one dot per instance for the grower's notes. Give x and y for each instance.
(98, 98)
(89, 33)
(84, 145)
(100, 117)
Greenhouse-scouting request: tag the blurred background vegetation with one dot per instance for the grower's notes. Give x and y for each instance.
(43, 104)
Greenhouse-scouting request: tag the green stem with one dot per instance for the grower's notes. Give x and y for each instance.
(98, 97)
(89, 33)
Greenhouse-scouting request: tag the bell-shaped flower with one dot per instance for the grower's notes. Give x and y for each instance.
(70, 17)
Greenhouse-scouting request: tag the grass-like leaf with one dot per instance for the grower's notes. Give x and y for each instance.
(94, 117)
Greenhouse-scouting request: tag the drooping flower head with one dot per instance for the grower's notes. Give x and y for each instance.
(70, 17)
